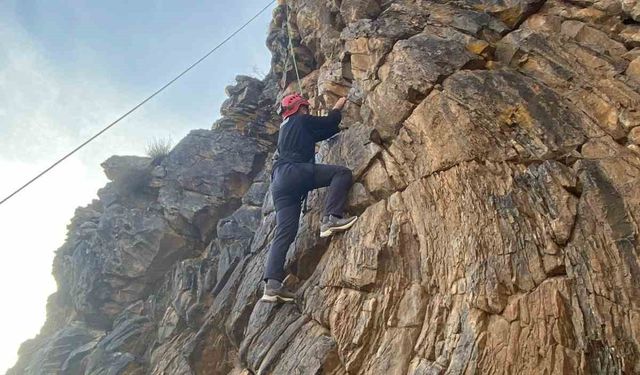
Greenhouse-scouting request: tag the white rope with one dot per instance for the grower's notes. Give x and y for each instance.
(293, 54)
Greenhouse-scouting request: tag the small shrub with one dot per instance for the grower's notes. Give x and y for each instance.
(258, 73)
(158, 149)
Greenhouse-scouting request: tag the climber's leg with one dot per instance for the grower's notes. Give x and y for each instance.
(286, 229)
(286, 190)
(339, 179)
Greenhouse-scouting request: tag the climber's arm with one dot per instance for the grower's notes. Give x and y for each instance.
(325, 127)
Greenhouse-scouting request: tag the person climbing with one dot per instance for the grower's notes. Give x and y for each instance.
(294, 174)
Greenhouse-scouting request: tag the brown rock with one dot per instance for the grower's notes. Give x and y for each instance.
(631, 35)
(583, 75)
(632, 8)
(633, 70)
(408, 75)
(353, 10)
(510, 12)
(634, 135)
(593, 38)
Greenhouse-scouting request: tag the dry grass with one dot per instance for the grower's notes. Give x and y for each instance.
(158, 149)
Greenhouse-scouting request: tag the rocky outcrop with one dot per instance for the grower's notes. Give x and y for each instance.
(496, 151)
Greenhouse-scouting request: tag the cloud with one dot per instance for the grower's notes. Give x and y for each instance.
(33, 225)
(49, 106)
(44, 113)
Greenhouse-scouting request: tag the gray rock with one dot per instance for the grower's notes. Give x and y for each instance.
(353, 148)
(66, 347)
(256, 193)
(208, 173)
(120, 167)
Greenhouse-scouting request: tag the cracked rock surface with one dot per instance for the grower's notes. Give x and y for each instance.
(496, 151)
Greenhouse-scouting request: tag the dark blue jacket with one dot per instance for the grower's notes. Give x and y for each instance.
(299, 134)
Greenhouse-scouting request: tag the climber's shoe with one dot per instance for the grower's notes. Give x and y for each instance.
(274, 291)
(333, 224)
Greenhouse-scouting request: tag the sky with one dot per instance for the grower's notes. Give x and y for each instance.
(69, 68)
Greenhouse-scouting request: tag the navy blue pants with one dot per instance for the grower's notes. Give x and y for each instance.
(290, 182)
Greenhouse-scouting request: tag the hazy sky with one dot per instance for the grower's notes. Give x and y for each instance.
(68, 68)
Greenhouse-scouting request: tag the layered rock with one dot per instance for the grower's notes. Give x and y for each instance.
(496, 153)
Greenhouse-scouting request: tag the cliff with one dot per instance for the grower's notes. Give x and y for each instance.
(495, 145)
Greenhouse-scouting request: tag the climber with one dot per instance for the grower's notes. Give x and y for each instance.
(294, 174)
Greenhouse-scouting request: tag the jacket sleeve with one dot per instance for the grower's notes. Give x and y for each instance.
(324, 127)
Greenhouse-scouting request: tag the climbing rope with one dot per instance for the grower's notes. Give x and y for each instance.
(286, 67)
(293, 54)
(233, 34)
(291, 51)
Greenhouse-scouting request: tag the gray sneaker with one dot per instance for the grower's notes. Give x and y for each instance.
(277, 293)
(332, 224)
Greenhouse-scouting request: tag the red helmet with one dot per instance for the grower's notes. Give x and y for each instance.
(292, 103)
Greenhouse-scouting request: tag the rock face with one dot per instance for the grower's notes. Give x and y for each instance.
(496, 150)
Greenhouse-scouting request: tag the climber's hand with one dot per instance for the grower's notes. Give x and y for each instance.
(340, 104)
